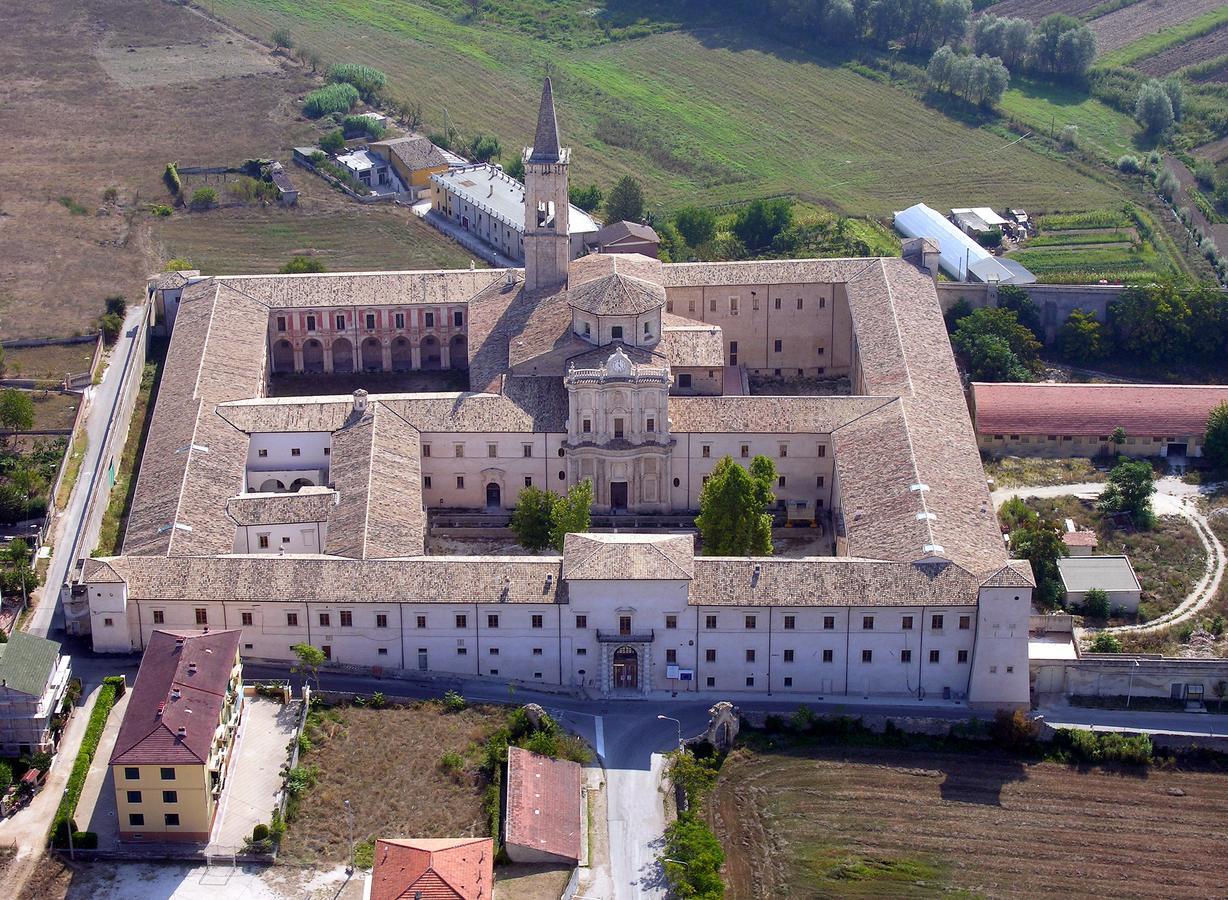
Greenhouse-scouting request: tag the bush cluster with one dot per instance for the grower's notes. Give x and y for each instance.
(333, 98)
(367, 81)
(1104, 746)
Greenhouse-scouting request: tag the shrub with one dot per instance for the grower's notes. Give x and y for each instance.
(802, 718)
(1013, 731)
(452, 762)
(1129, 164)
(260, 832)
(203, 198)
(453, 701)
(171, 178)
(378, 700)
(1167, 184)
(1069, 138)
(1106, 643)
(178, 264)
(282, 39)
(6, 776)
(302, 265)
(301, 779)
(116, 304)
(110, 325)
(364, 854)
(334, 98)
(1096, 603)
(357, 125)
(365, 80)
(160, 209)
(333, 142)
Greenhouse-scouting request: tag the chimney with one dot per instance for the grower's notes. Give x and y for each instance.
(178, 643)
(175, 693)
(191, 668)
(182, 732)
(360, 401)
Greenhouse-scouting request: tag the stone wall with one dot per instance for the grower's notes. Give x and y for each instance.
(1055, 301)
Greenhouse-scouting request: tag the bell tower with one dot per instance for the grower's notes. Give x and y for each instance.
(547, 239)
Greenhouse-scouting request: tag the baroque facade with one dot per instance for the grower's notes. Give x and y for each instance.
(304, 518)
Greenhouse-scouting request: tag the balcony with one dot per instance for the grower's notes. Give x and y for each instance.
(629, 637)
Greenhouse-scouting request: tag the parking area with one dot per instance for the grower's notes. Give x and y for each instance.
(254, 783)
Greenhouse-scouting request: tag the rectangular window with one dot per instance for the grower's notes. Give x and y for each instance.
(671, 656)
(245, 618)
(778, 346)
(710, 622)
(537, 651)
(711, 682)
(134, 796)
(745, 450)
(202, 616)
(788, 681)
(493, 651)
(822, 450)
(340, 322)
(426, 482)
(651, 425)
(170, 796)
(712, 305)
(750, 621)
(494, 671)
(829, 622)
(581, 622)
(750, 655)
(172, 819)
(526, 450)
(906, 623)
(325, 620)
(616, 332)
(370, 320)
(965, 622)
(905, 656)
(399, 320)
(528, 481)
(311, 323)
(710, 655)
(784, 450)
(382, 651)
(296, 451)
(281, 323)
(159, 617)
(492, 450)
(458, 450)
(381, 620)
(936, 622)
(819, 481)
(962, 656)
(136, 819)
(581, 651)
(750, 680)
(934, 656)
(429, 320)
(828, 655)
(684, 380)
(586, 426)
(867, 623)
(780, 481)
(458, 318)
(867, 656)
(460, 482)
(462, 651)
(733, 306)
(799, 302)
(671, 621)
(777, 303)
(168, 773)
(706, 451)
(426, 451)
(292, 620)
(327, 650)
(420, 621)
(790, 623)
(618, 427)
(788, 656)
(492, 620)
(624, 625)
(690, 306)
(537, 621)
(462, 620)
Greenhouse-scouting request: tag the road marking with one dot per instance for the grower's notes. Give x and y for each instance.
(600, 737)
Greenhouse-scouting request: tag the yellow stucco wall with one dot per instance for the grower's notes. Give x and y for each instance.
(193, 800)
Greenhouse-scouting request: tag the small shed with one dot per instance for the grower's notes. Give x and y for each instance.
(1080, 543)
(542, 816)
(977, 219)
(627, 237)
(1112, 574)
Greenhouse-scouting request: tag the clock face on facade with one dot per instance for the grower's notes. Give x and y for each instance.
(619, 364)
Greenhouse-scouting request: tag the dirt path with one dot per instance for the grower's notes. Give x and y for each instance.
(1218, 232)
(1173, 497)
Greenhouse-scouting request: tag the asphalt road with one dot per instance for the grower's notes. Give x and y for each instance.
(72, 526)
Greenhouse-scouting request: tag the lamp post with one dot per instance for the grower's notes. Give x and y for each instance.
(676, 722)
(1130, 684)
(349, 819)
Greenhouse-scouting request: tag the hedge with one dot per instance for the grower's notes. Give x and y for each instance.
(107, 695)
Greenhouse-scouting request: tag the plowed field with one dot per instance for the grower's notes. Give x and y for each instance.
(847, 821)
(1148, 17)
(1195, 51)
(1035, 10)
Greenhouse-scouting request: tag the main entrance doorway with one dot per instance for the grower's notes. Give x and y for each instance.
(493, 496)
(626, 669)
(618, 495)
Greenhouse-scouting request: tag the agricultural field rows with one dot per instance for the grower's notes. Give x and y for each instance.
(1194, 51)
(1143, 30)
(722, 116)
(1035, 10)
(1089, 247)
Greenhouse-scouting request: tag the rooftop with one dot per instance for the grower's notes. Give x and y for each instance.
(415, 151)
(177, 700)
(27, 663)
(543, 804)
(1149, 410)
(959, 255)
(499, 195)
(433, 869)
(1108, 573)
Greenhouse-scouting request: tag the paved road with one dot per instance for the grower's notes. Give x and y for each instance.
(1198, 724)
(72, 527)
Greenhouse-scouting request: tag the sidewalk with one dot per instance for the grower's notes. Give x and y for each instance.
(96, 810)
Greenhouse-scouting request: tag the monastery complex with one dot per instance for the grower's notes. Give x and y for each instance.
(305, 518)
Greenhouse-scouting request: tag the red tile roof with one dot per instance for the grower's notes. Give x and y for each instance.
(437, 868)
(543, 803)
(1147, 410)
(1080, 538)
(179, 685)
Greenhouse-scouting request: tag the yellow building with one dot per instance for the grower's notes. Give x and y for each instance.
(414, 158)
(173, 752)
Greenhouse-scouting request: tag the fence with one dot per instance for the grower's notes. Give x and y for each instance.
(71, 381)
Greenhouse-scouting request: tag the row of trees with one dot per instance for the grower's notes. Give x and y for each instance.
(916, 25)
(981, 80)
(1057, 46)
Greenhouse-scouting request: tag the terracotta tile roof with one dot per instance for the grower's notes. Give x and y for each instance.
(543, 804)
(608, 287)
(309, 504)
(617, 231)
(750, 415)
(691, 345)
(179, 685)
(649, 557)
(545, 147)
(416, 151)
(346, 289)
(433, 869)
(1080, 539)
(1150, 410)
(1016, 573)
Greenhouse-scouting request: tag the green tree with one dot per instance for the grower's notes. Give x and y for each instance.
(757, 224)
(571, 513)
(310, 659)
(1215, 444)
(1015, 513)
(958, 310)
(587, 198)
(1118, 437)
(693, 859)
(1041, 544)
(696, 224)
(626, 201)
(1106, 643)
(16, 410)
(1151, 321)
(995, 347)
(282, 39)
(333, 142)
(1208, 321)
(533, 518)
(1096, 603)
(117, 305)
(515, 169)
(1153, 108)
(484, 147)
(367, 81)
(1130, 486)
(110, 325)
(302, 265)
(1082, 338)
(1016, 299)
(732, 519)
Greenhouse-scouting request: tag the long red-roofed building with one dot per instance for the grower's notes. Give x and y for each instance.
(433, 869)
(1079, 419)
(173, 750)
(543, 808)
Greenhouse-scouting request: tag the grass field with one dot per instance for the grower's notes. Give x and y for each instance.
(847, 821)
(713, 115)
(51, 362)
(1033, 471)
(386, 762)
(1050, 107)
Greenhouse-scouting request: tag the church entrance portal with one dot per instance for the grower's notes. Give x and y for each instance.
(618, 495)
(493, 496)
(626, 669)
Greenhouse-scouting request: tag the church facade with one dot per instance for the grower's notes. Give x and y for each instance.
(304, 518)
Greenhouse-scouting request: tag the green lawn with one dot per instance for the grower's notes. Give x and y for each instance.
(706, 116)
(1049, 107)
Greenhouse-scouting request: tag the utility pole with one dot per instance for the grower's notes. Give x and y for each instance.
(349, 818)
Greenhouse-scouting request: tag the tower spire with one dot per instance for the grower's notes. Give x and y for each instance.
(546, 139)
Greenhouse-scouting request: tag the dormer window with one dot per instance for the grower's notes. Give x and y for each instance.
(616, 333)
(647, 329)
(588, 331)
